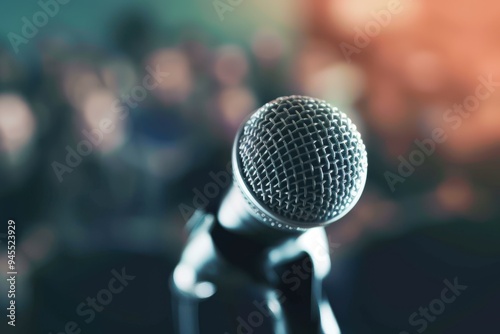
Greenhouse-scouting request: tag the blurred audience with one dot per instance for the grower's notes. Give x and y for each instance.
(122, 193)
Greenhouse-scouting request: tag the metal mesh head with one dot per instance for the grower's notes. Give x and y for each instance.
(302, 160)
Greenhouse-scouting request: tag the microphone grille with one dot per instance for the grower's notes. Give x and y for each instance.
(302, 160)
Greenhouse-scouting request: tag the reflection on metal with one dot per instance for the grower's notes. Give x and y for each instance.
(228, 281)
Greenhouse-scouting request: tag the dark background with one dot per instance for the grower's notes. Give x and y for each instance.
(124, 204)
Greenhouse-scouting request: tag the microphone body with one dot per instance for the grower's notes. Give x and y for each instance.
(257, 265)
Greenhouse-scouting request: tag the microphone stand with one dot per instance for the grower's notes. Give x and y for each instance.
(229, 283)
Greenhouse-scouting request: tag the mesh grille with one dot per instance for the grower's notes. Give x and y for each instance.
(303, 159)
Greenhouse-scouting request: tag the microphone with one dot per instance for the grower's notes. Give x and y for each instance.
(299, 164)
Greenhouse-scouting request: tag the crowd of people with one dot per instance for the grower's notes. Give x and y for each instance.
(100, 145)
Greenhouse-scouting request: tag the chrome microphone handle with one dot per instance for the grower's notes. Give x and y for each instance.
(228, 283)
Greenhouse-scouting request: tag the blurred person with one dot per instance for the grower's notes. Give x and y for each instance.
(269, 77)
(195, 42)
(178, 85)
(232, 100)
(230, 66)
(234, 105)
(20, 161)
